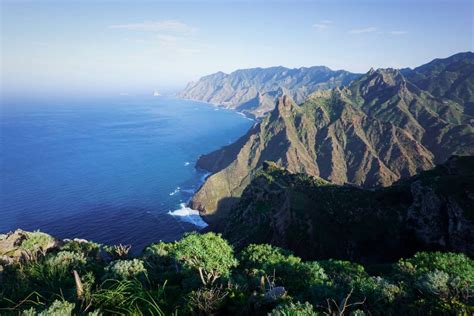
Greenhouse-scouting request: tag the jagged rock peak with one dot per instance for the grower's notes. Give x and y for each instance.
(388, 76)
(286, 101)
(284, 104)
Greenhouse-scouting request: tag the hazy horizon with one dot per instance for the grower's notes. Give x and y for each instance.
(114, 47)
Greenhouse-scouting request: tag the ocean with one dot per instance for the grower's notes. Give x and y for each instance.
(112, 170)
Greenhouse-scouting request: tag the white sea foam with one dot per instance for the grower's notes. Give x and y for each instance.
(187, 163)
(188, 215)
(188, 190)
(175, 191)
(245, 116)
(204, 176)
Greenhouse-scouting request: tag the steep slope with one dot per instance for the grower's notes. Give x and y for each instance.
(254, 91)
(449, 78)
(316, 219)
(375, 131)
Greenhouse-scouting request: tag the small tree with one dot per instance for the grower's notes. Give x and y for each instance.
(208, 254)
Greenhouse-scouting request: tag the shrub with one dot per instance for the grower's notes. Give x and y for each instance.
(126, 269)
(206, 301)
(67, 259)
(264, 256)
(297, 276)
(434, 283)
(57, 308)
(53, 273)
(293, 309)
(87, 248)
(161, 264)
(344, 273)
(438, 282)
(118, 251)
(455, 264)
(208, 254)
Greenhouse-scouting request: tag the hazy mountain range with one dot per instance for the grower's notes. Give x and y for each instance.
(254, 91)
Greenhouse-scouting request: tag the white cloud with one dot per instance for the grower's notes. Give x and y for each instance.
(323, 25)
(169, 38)
(369, 29)
(398, 32)
(157, 26)
(188, 51)
(165, 39)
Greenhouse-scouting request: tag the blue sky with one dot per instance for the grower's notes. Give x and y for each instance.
(114, 47)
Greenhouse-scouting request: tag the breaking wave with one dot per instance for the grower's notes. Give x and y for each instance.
(189, 215)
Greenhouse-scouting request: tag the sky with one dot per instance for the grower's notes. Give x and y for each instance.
(132, 47)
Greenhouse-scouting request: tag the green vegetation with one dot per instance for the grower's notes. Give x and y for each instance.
(36, 241)
(346, 222)
(201, 275)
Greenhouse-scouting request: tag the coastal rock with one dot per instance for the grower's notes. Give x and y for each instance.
(21, 245)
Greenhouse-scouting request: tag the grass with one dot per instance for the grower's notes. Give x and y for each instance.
(128, 297)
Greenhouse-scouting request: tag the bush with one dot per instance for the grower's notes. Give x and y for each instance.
(67, 259)
(206, 301)
(344, 273)
(455, 264)
(297, 276)
(208, 254)
(265, 256)
(293, 309)
(118, 251)
(126, 269)
(269, 280)
(57, 308)
(87, 248)
(438, 282)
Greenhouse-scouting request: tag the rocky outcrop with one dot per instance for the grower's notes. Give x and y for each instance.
(379, 129)
(317, 219)
(254, 91)
(21, 245)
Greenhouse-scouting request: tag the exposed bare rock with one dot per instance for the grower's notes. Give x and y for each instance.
(379, 129)
(21, 245)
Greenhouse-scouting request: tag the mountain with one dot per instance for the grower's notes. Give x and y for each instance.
(371, 133)
(254, 91)
(316, 219)
(450, 78)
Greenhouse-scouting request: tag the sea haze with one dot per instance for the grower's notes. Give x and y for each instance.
(110, 170)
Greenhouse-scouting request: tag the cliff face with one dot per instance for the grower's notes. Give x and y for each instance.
(316, 219)
(372, 133)
(254, 91)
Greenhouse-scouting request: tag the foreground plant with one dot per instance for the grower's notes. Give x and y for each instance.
(199, 275)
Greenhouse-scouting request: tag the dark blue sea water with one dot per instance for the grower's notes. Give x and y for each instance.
(109, 170)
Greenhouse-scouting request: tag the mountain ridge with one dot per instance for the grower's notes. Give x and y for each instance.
(253, 91)
(378, 129)
(431, 210)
